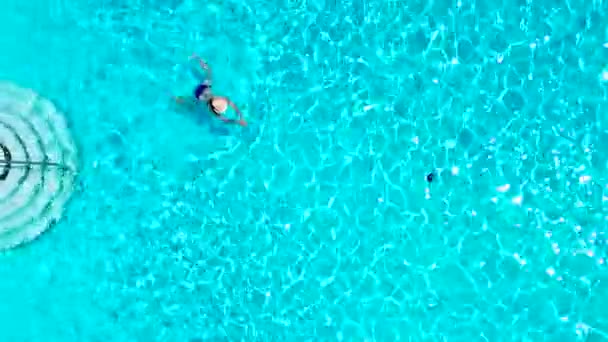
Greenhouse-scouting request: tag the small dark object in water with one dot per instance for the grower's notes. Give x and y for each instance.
(429, 177)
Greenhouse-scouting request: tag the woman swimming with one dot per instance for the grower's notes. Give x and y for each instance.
(218, 105)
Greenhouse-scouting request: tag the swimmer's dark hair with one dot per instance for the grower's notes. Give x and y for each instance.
(200, 89)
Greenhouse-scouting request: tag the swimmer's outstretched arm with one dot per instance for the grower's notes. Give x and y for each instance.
(204, 66)
(184, 100)
(240, 121)
(236, 109)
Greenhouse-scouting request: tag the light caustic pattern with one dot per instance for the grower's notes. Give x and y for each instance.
(324, 228)
(350, 241)
(37, 165)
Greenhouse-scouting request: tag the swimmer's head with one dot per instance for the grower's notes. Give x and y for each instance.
(203, 92)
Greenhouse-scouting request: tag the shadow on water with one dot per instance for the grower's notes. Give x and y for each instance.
(203, 117)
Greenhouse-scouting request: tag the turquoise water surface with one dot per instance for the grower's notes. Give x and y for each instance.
(316, 222)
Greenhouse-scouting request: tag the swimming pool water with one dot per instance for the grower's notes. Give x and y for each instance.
(316, 223)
